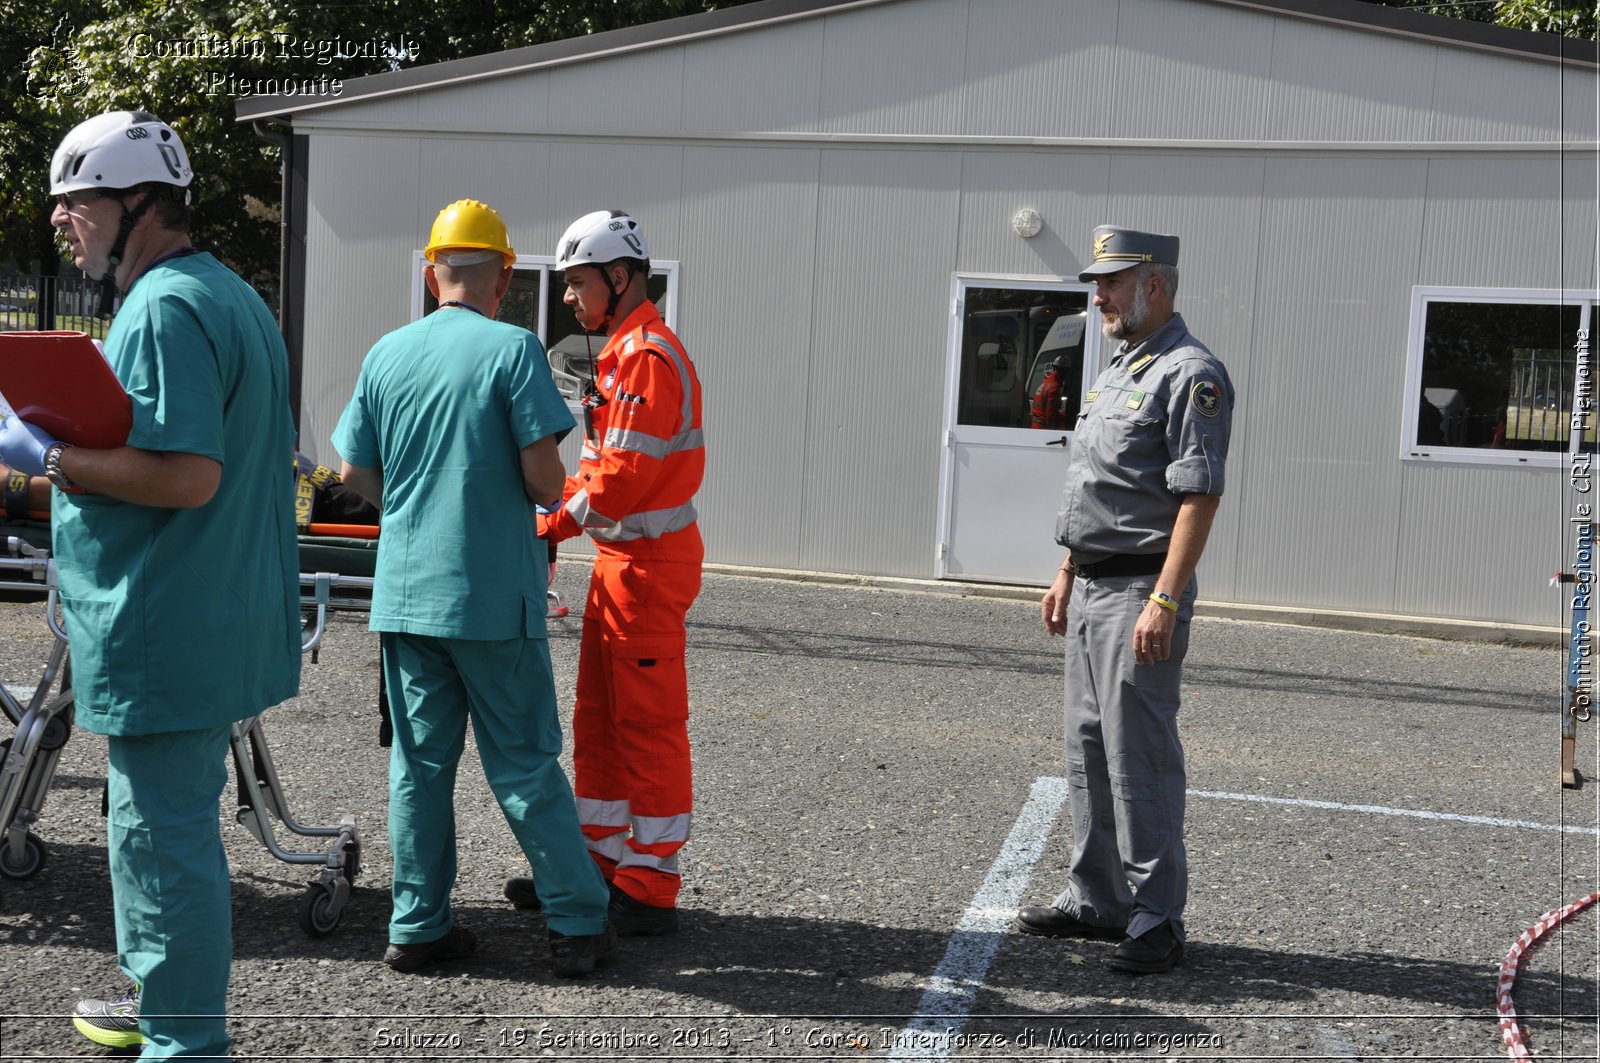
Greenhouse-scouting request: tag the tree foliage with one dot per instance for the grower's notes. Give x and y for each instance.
(1567, 18)
(188, 61)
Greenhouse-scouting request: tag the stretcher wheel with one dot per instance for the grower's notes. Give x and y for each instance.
(319, 915)
(33, 854)
(56, 732)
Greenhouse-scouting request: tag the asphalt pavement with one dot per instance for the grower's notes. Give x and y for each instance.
(1374, 819)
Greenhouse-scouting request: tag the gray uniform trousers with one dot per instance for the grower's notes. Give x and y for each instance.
(1124, 761)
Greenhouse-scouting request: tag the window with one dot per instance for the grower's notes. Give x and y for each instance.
(1492, 375)
(535, 302)
(1022, 354)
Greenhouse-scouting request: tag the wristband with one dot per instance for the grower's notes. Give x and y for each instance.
(1166, 601)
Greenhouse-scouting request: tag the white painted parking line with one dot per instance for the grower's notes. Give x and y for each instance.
(947, 1002)
(1413, 813)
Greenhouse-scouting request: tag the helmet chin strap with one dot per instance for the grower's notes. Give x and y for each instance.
(108, 283)
(616, 295)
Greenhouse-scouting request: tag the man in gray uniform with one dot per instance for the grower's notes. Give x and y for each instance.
(1143, 485)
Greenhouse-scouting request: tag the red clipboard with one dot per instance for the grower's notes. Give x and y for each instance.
(61, 382)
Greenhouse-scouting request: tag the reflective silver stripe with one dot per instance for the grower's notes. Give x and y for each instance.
(637, 442)
(651, 524)
(585, 515)
(614, 847)
(590, 452)
(667, 348)
(653, 830)
(667, 865)
(596, 813)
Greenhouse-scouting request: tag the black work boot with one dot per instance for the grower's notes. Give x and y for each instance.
(577, 956)
(1155, 951)
(634, 918)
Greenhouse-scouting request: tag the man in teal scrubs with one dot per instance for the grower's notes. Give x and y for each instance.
(177, 564)
(453, 431)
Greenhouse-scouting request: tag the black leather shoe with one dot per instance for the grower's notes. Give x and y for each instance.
(520, 892)
(1051, 922)
(1155, 951)
(634, 918)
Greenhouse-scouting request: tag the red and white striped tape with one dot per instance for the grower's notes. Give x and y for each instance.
(1515, 1045)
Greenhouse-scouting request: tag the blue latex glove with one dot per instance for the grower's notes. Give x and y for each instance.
(22, 445)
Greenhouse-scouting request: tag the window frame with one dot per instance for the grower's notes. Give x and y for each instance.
(959, 283)
(1421, 297)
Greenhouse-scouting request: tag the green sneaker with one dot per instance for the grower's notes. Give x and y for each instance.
(113, 1023)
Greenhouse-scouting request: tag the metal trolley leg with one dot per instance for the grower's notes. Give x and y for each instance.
(28, 758)
(261, 798)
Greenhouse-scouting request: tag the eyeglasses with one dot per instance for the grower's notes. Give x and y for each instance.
(80, 196)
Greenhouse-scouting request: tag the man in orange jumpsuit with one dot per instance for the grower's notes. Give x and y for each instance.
(642, 463)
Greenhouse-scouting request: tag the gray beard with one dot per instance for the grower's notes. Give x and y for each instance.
(1131, 321)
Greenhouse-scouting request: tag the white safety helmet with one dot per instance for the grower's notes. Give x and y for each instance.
(600, 237)
(119, 149)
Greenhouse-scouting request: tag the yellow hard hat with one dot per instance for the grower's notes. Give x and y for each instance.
(467, 224)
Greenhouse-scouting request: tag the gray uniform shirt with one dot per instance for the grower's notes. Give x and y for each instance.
(1154, 428)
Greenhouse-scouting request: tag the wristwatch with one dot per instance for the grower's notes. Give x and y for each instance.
(52, 466)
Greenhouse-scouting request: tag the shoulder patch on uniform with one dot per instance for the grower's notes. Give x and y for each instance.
(1206, 396)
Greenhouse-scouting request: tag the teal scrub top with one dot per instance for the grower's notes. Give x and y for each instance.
(181, 619)
(444, 407)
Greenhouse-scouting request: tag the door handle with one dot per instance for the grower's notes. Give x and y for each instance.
(1057, 442)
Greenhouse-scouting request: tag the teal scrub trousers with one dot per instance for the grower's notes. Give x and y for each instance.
(507, 688)
(169, 885)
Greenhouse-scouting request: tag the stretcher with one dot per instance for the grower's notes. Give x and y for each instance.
(337, 567)
(43, 719)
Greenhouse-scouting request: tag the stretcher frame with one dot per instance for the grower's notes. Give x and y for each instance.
(44, 724)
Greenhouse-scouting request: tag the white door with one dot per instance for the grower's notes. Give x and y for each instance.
(1022, 353)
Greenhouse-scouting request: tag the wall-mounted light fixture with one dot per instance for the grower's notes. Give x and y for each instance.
(1027, 223)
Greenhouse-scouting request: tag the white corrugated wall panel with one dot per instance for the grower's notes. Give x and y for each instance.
(517, 104)
(1202, 71)
(1480, 542)
(1501, 221)
(894, 68)
(1332, 83)
(1338, 258)
(886, 240)
(1213, 204)
(387, 112)
(1068, 189)
(748, 250)
(633, 92)
(509, 175)
(1478, 96)
(358, 261)
(644, 179)
(1038, 68)
(766, 81)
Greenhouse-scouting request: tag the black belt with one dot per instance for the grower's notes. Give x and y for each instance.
(1122, 565)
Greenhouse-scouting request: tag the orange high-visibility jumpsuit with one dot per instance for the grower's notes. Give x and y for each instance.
(643, 460)
(1046, 410)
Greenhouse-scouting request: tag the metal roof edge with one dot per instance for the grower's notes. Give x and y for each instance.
(551, 53)
(1356, 14)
